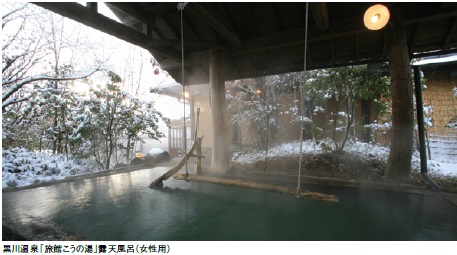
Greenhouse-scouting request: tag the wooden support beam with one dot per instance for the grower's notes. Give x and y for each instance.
(320, 14)
(160, 8)
(385, 45)
(442, 14)
(220, 159)
(199, 154)
(137, 13)
(93, 6)
(416, 32)
(134, 11)
(293, 37)
(452, 32)
(215, 22)
(309, 56)
(176, 33)
(399, 161)
(191, 59)
(278, 17)
(87, 17)
(357, 45)
(257, 186)
(187, 43)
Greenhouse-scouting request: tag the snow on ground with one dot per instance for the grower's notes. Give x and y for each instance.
(440, 163)
(155, 151)
(21, 167)
(311, 147)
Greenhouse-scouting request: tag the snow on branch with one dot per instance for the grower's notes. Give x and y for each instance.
(23, 82)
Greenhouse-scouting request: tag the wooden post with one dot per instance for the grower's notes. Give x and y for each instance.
(170, 145)
(421, 128)
(220, 158)
(401, 148)
(199, 155)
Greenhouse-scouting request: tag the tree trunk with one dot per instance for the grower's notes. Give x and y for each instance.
(128, 150)
(399, 162)
(220, 160)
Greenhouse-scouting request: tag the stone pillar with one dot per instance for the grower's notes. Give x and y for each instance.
(220, 158)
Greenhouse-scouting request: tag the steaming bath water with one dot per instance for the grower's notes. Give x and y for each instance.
(122, 207)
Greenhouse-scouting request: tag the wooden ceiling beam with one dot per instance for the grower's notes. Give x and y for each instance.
(135, 13)
(413, 42)
(320, 14)
(278, 17)
(93, 6)
(89, 18)
(190, 43)
(385, 45)
(215, 22)
(452, 31)
(357, 45)
(133, 10)
(271, 42)
(293, 37)
(194, 58)
(175, 33)
(160, 8)
(190, 27)
(442, 14)
(309, 56)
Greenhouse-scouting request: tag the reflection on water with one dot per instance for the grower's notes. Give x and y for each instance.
(122, 207)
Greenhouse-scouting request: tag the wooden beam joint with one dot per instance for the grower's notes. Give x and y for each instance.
(320, 14)
(207, 15)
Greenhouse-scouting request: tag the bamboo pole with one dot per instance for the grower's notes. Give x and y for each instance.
(258, 186)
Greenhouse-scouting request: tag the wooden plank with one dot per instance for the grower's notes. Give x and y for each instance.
(258, 186)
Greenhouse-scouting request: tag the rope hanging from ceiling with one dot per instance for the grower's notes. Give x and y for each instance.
(181, 8)
(302, 102)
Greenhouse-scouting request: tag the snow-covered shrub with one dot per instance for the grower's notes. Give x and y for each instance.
(21, 167)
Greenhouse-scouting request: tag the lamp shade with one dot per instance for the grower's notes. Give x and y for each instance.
(376, 17)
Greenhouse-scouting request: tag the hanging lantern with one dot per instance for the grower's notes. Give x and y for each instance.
(376, 17)
(155, 66)
(156, 70)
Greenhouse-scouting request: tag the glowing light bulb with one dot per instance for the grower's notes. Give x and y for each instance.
(375, 18)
